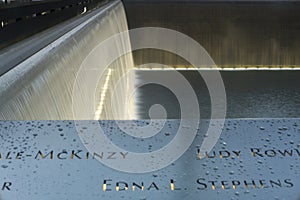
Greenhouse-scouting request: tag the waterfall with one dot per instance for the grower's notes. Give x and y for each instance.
(40, 88)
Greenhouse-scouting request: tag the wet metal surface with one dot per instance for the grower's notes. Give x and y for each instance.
(253, 159)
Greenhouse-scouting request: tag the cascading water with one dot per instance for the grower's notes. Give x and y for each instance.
(40, 88)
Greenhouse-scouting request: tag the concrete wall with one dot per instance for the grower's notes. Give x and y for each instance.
(20, 20)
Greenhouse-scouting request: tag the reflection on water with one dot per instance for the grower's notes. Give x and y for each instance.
(250, 94)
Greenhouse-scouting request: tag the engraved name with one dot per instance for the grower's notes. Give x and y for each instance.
(254, 152)
(63, 155)
(200, 184)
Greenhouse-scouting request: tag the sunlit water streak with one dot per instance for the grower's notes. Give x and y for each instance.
(41, 87)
